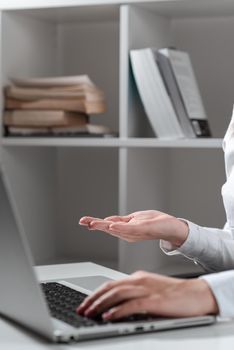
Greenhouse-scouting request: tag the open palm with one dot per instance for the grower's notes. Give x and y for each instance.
(137, 226)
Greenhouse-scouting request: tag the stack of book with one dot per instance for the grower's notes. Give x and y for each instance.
(169, 92)
(53, 106)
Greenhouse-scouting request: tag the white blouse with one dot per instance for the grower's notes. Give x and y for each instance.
(213, 248)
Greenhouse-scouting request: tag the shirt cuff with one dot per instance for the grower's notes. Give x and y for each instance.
(168, 248)
(187, 248)
(222, 286)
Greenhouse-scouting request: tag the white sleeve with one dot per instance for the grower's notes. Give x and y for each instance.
(211, 248)
(222, 286)
(214, 248)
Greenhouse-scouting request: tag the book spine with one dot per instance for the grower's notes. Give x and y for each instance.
(43, 119)
(27, 94)
(56, 104)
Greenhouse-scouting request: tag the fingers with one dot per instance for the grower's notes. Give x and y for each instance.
(99, 224)
(99, 292)
(128, 308)
(114, 297)
(104, 225)
(116, 218)
(94, 223)
(85, 220)
(125, 228)
(118, 226)
(104, 289)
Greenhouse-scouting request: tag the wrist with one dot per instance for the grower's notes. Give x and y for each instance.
(180, 233)
(206, 297)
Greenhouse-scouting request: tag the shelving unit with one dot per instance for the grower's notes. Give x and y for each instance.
(57, 180)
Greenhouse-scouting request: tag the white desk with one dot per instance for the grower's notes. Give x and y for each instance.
(215, 337)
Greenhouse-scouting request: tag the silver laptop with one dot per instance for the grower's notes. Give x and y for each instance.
(49, 308)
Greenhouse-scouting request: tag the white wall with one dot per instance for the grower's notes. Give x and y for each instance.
(88, 178)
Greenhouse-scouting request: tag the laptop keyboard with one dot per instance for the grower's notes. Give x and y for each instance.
(63, 302)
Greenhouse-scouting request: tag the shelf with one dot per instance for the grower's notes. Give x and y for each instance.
(175, 8)
(113, 142)
(71, 14)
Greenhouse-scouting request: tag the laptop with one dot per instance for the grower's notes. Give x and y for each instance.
(48, 308)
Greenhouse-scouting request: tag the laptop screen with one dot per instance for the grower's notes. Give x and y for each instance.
(20, 295)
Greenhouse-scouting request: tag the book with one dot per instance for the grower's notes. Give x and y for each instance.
(83, 106)
(174, 93)
(79, 92)
(83, 130)
(176, 65)
(61, 81)
(154, 95)
(34, 118)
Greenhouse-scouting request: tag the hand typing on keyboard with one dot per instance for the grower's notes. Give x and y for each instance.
(150, 293)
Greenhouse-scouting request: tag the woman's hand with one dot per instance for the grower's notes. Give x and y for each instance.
(150, 293)
(141, 225)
